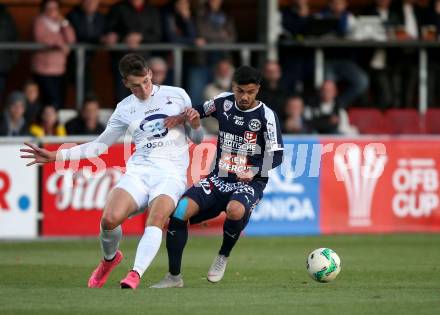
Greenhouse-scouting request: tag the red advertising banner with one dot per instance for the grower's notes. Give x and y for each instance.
(73, 196)
(74, 192)
(380, 187)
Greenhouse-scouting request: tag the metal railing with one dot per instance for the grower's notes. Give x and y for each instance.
(319, 46)
(177, 51)
(245, 50)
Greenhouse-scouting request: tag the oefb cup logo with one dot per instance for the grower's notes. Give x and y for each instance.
(154, 126)
(360, 174)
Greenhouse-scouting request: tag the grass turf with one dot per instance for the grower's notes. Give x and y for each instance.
(392, 274)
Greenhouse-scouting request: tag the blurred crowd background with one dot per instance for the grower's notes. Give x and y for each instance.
(370, 89)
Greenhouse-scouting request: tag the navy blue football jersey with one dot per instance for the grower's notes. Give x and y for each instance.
(247, 139)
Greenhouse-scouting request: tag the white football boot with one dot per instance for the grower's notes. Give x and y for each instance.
(169, 281)
(217, 269)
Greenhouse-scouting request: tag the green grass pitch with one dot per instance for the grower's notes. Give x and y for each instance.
(391, 274)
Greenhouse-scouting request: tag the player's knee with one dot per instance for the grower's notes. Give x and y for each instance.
(235, 210)
(109, 221)
(157, 218)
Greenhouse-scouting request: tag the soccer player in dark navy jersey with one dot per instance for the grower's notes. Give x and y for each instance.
(249, 145)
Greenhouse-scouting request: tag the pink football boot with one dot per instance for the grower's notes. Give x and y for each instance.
(101, 273)
(131, 281)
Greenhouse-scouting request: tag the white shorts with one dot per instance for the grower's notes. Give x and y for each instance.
(147, 184)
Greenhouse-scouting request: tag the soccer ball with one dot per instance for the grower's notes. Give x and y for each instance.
(323, 265)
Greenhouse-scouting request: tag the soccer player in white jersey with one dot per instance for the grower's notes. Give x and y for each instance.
(156, 172)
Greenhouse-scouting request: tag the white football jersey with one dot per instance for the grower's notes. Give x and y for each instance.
(156, 146)
(144, 121)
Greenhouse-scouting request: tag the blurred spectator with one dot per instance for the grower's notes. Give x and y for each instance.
(295, 18)
(382, 8)
(8, 33)
(345, 70)
(294, 113)
(213, 26)
(338, 9)
(132, 22)
(324, 109)
(433, 17)
(297, 62)
(178, 24)
(47, 123)
(159, 68)
(433, 20)
(12, 121)
(326, 114)
(89, 26)
(33, 105)
(410, 19)
(380, 72)
(272, 93)
(87, 121)
(224, 71)
(49, 65)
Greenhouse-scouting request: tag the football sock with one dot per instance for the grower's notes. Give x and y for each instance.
(177, 236)
(110, 242)
(147, 249)
(231, 233)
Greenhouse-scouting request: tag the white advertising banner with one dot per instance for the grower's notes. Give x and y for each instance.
(18, 194)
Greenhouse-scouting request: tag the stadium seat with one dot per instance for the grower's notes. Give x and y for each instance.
(404, 121)
(432, 120)
(368, 120)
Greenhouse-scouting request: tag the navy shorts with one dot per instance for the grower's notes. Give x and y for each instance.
(213, 195)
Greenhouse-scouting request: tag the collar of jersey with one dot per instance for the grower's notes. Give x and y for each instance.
(153, 91)
(248, 110)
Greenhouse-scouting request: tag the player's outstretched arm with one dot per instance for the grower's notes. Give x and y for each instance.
(37, 155)
(83, 151)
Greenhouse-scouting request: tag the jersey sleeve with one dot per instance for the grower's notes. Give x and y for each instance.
(114, 130)
(272, 132)
(196, 135)
(207, 109)
(210, 108)
(186, 100)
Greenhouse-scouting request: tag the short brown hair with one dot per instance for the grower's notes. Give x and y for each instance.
(133, 64)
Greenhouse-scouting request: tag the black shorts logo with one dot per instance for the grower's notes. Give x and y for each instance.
(205, 185)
